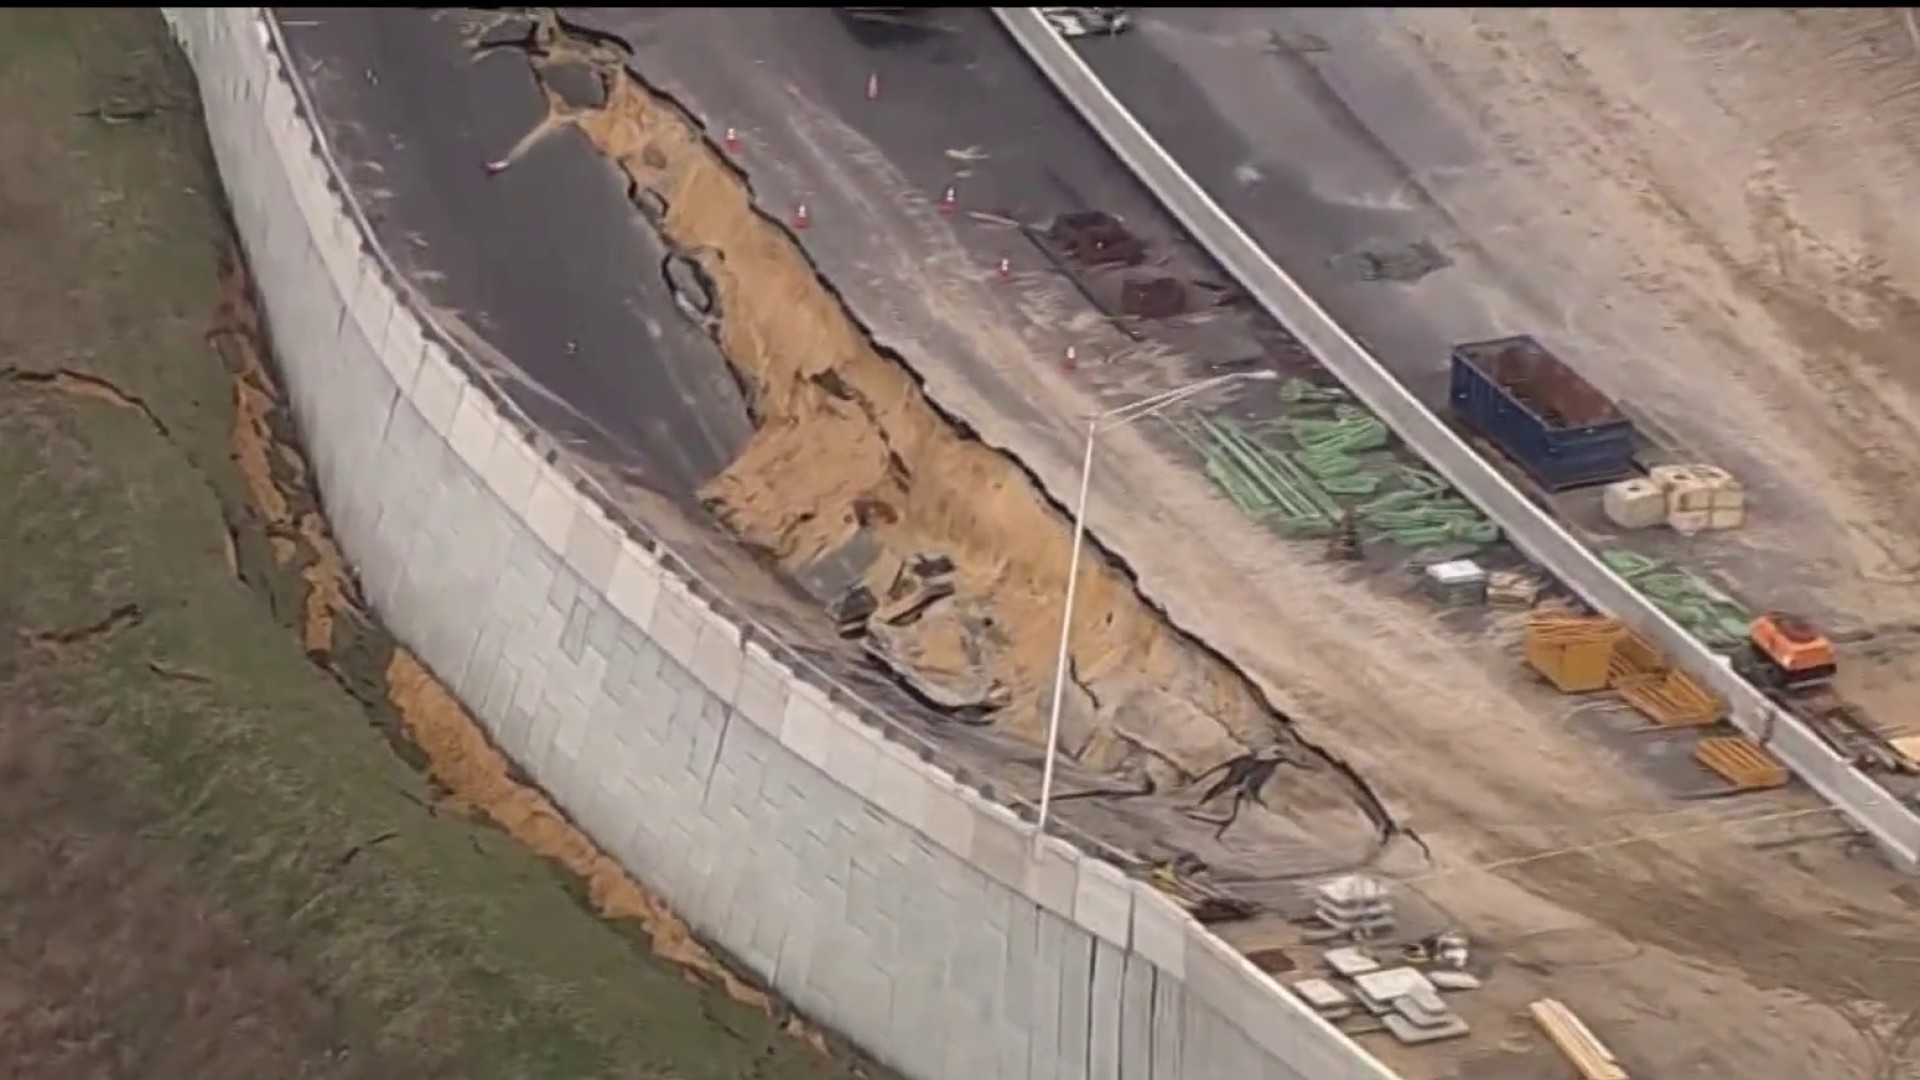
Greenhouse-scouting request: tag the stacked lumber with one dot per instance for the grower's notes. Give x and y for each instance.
(1575, 1042)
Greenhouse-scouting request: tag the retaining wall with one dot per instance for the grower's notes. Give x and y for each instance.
(1894, 824)
(879, 896)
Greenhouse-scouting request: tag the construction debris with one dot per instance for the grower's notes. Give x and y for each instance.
(1351, 960)
(1153, 298)
(1324, 998)
(1579, 1045)
(1456, 583)
(1407, 1003)
(1356, 906)
(1514, 588)
(1743, 763)
(1634, 503)
(1700, 497)
(1454, 980)
(1096, 238)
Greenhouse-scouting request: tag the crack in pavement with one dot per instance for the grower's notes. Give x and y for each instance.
(630, 131)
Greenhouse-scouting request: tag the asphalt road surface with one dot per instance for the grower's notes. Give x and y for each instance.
(1318, 136)
(547, 262)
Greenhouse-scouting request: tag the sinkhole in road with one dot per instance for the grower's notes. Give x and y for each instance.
(855, 477)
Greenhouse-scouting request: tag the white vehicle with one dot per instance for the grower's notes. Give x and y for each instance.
(1078, 22)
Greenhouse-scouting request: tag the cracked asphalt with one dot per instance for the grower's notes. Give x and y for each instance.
(546, 262)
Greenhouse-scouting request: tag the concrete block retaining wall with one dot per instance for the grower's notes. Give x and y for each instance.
(879, 896)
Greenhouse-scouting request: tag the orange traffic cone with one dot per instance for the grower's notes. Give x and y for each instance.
(802, 217)
(732, 141)
(873, 87)
(949, 199)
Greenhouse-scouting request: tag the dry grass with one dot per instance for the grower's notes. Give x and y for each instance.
(218, 865)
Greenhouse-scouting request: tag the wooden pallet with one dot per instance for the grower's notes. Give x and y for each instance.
(1672, 699)
(1576, 1042)
(1633, 658)
(1741, 762)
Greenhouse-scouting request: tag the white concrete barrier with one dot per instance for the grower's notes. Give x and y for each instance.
(1891, 822)
(777, 814)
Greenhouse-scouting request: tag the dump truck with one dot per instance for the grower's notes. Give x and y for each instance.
(1785, 652)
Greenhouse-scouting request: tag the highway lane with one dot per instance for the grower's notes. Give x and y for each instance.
(547, 262)
(1320, 137)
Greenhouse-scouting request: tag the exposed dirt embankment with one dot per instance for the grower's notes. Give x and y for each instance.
(853, 469)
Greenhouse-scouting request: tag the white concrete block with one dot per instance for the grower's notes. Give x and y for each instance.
(762, 695)
(1103, 902)
(677, 620)
(475, 427)
(635, 584)
(373, 303)
(853, 754)
(338, 237)
(806, 728)
(550, 509)
(900, 785)
(1160, 929)
(511, 471)
(1002, 848)
(717, 659)
(403, 347)
(949, 815)
(593, 545)
(436, 389)
(1053, 878)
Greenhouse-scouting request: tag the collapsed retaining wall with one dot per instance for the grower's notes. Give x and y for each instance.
(865, 885)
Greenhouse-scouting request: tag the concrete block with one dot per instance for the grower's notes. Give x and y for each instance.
(1076, 1003)
(550, 509)
(372, 307)
(806, 728)
(603, 629)
(436, 389)
(1001, 847)
(677, 620)
(593, 545)
(900, 785)
(853, 753)
(475, 427)
(400, 351)
(1160, 929)
(949, 815)
(1136, 1018)
(1054, 877)
(1103, 902)
(1168, 1005)
(761, 696)
(1103, 1032)
(337, 236)
(634, 584)
(717, 658)
(1216, 975)
(573, 639)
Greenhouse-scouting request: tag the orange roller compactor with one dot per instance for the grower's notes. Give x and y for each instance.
(1785, 652)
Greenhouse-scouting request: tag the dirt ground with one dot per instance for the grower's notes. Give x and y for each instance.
(250, 837)
(1743, 938)
(1727, 192)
